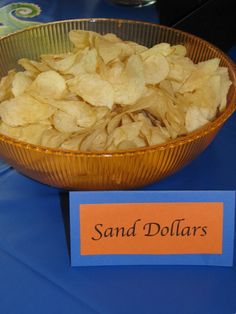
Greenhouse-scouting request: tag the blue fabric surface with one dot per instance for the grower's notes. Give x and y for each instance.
(35, 267)
(62, 9)
(35, 272)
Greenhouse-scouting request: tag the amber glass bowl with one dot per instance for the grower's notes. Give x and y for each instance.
(128, 169)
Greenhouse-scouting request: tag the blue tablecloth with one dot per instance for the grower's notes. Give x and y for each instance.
(35, 272)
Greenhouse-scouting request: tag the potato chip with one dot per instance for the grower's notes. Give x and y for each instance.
(142, 116)
(176, 86)
(49, 84)
(126, 50)
(158, 136)
(135, 143)
(86, 62)
(82, 39)
(112, 37)
(61, 62)
(195, 81)
(211, 89)
(126, 119)
(53, 138)
(73, 143)
(31, 133)
(174, 122)
(20, 83)
(125, 132)
(126, 144)
(93, 89)
(101, 112)
(28, 66)
(155, 135)
(200, 75)
(5, 85)
(131, 85)
(145, 101)
(64, 122)
(32, 67)
(182, 101)
(68, 95)
(24, 109)
(10, 131)
(195, 118)
(167, 87)
(179, 69)
(115, 122)
(83, 113)
(110, 50)
(225, 84)
(163, 109)
(112, 72)
(179, 50)
(163, 49)
(209, 66)
(106, 49)
(156, 69)
(207, 96)
(138, 49)
(157, 103)
(95, 141)
(101, 68)
(40, 66)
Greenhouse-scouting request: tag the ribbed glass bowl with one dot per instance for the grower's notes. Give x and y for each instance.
(128, 169)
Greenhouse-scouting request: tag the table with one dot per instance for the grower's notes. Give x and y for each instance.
(35, 272)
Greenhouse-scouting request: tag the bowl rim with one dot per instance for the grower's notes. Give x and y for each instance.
(179, 141)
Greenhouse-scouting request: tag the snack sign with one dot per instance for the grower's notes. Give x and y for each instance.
(149, 227)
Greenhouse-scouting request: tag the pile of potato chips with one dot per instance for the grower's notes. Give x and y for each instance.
(109, 94)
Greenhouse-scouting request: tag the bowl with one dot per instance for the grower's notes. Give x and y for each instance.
(75, 170)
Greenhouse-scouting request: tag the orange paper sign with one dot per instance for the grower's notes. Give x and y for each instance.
(151, 228)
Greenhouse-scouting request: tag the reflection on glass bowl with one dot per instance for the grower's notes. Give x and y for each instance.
(133, 2)
(3, 166)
